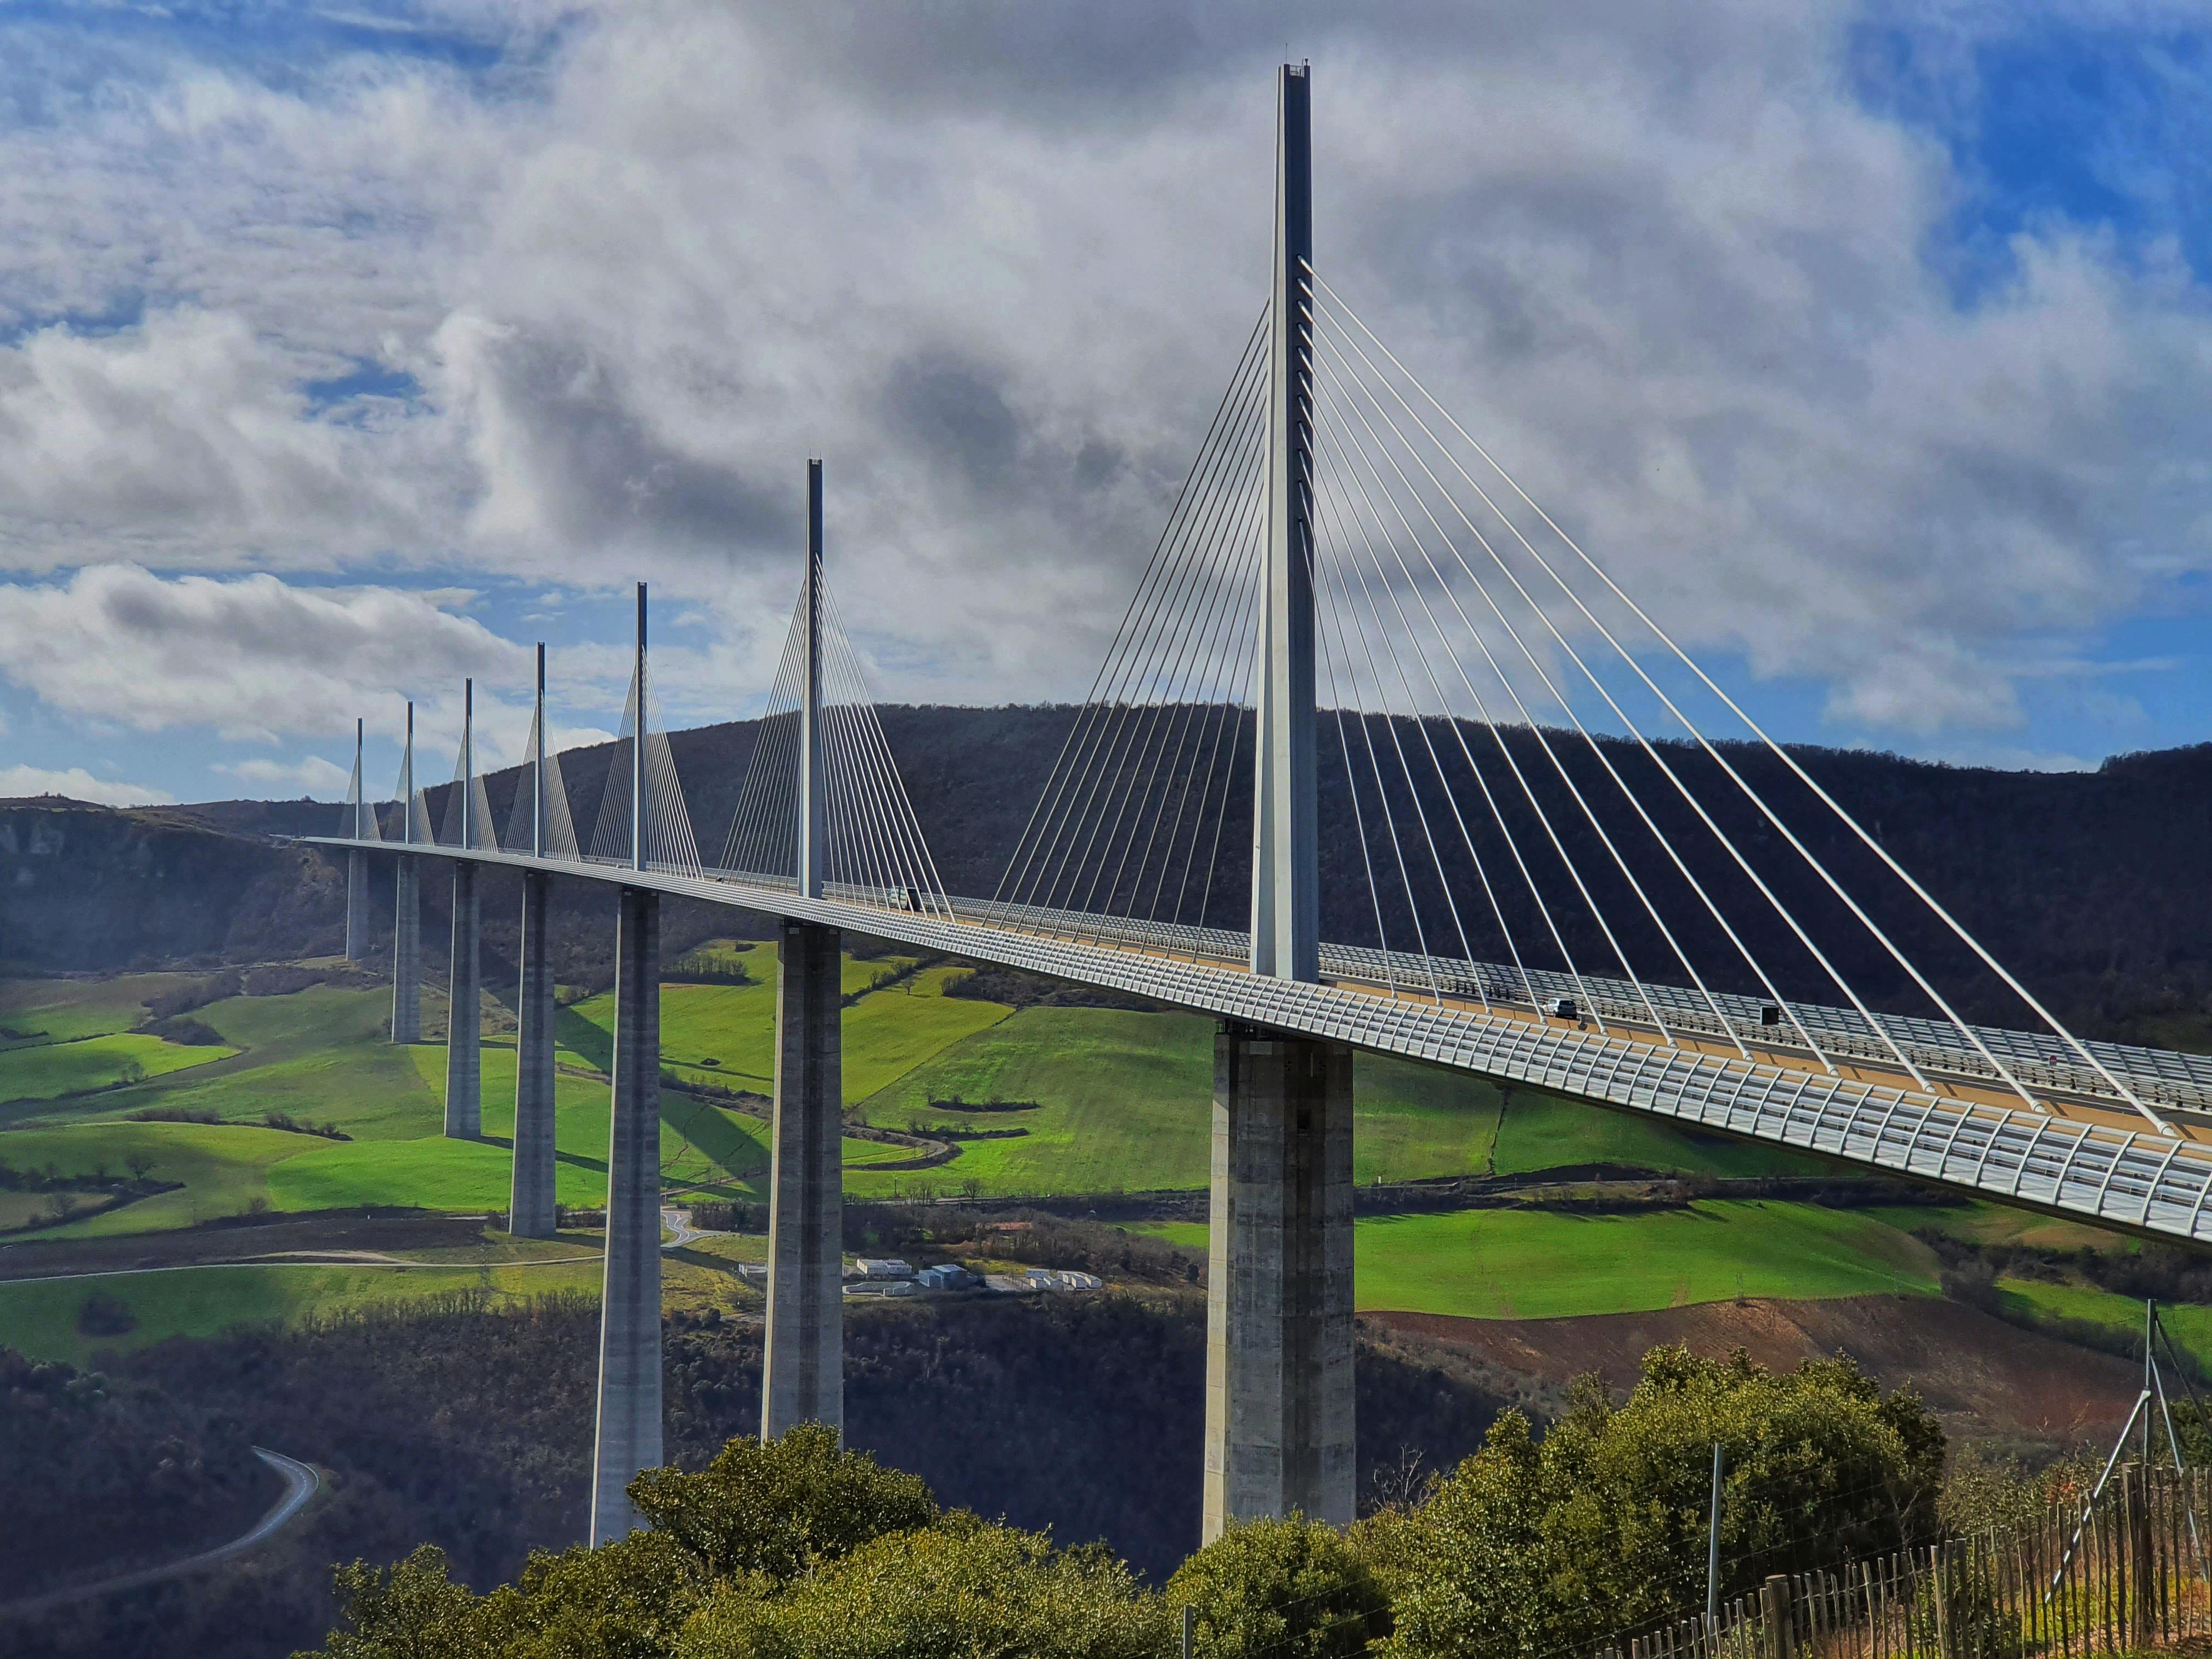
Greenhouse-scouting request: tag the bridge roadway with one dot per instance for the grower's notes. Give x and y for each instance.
(2090, 1158)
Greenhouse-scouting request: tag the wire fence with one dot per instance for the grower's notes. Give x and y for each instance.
(2127, 1575)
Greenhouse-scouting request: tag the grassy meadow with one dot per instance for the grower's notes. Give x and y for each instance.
(1105, 1100)
(1536, 1264)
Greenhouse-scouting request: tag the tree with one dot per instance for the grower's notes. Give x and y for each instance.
(1602, 1528)
(1290, 1590)
(956, 1588)
(755, 1519)
(782, 1509)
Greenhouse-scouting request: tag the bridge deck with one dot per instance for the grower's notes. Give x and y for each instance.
(2084, 1159)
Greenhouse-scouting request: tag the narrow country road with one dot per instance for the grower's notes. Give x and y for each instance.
(679, 1222)
(301, 1483)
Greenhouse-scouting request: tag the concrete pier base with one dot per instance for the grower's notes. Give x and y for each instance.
(803, 1374)
(464, 1025)
(530, 1204)
(1279, 1394)
(627, 1438)
(407, 952)
(356, 907)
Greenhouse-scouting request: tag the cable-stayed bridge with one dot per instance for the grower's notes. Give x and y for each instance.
(1381, 759)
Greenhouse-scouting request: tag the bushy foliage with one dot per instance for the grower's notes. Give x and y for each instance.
(99, 1471)
(782, 1509)
(956, 1588)
(1602, 1526)
(794, 1547)
(1290, 1590)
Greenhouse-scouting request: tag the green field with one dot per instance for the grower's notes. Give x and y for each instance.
(2189, 1325)
(63, 1010)
(46, 1071)
(1124, 1103)
(40, 1317)
(1533, 1264)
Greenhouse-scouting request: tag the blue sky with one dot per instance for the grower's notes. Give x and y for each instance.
(345, 351)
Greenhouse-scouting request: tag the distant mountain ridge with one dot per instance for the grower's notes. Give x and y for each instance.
(2094, 886)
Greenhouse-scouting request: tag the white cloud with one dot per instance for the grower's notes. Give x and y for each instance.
(252, 658)
(17, 782)
(1662, 260)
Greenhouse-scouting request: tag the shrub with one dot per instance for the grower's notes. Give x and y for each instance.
(1294, 1589)
(1527, 1547)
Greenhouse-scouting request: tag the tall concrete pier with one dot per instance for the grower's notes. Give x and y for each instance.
(463, 1055)
(530, 1210)
(407, 910)
(529, 1207)
(356, 907)
(628, 1433)
(1278, 1335)
(407, 951)
(359, 816)
(803, 1376)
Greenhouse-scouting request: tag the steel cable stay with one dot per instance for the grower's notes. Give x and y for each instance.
(863, 806)
(1232, 722)
(1858, 830)
(1241, 390)
(1160, 632)
(1234, 445)
(1197, 669)
(1230, 614)
(763, 836)
(1566, 777)
(1358, 818)
(872, 806)
(868, 865)
(1188, 647)
(519, 815)
(1218, 702)
(1528, 719)
(856, 855)
(847, 807)
(1089, 772)
(771, 825)
(610, 830)
(667, 821)
(1335, 568)
(1221, 693)
(1877, 1026)
(1483, 874)
(1325, 458)
(904, 843)
(1324, 618)
(1535, 806)
(1332, 452)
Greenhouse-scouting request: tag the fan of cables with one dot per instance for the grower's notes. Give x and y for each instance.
(873, 850)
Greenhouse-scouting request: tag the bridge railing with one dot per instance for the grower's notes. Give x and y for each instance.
(2159, 1076)
(2167, 1079)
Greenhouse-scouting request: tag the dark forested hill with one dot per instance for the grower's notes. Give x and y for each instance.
(2093, 886)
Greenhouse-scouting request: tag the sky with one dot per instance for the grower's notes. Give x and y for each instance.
(346, 352)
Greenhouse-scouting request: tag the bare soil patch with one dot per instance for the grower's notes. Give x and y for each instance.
(1987, 1380)
(330, 1232)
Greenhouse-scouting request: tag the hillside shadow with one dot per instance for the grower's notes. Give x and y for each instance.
(579, 1037)
(733, 1151)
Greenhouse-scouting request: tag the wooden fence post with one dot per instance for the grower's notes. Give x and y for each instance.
(1774, 1610)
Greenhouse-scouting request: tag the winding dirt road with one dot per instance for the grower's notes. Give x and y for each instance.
(301, 1483)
